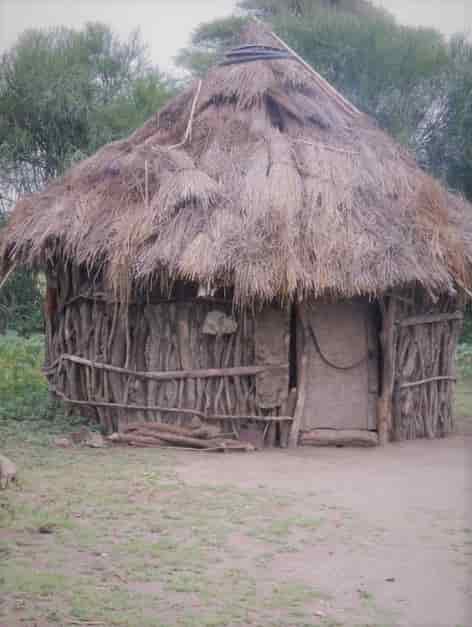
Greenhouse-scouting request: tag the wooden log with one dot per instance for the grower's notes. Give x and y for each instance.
(215, 449)
(156, 426)
(255, 418)
(134, 439)
(233, 445)
(163, 438)
(426, 381)
(172, 375)
(332, 437)
(222, 447)
(430, 319)
(180, 440)
(162, 427)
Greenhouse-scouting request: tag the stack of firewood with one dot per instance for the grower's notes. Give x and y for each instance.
(158, 434)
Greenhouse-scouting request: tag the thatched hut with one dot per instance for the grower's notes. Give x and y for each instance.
(261, 256)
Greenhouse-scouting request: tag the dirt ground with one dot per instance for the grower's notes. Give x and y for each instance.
(408, 520)
(328, 537)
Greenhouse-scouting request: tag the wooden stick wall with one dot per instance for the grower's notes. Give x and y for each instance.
(148, 338)
(426, 337)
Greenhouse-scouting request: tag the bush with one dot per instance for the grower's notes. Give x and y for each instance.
(23, 388)
(467, 332)
(464, 359)
(21, 304)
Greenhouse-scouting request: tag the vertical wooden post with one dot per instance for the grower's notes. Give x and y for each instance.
(302, 379)
(50, 311)
(387, 340)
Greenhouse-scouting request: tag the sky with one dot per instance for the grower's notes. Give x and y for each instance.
(448, 16)
(166, 25)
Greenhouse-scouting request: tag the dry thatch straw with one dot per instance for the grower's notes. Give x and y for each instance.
(280, 190)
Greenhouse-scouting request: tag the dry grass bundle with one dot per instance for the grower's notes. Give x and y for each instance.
(280, 191)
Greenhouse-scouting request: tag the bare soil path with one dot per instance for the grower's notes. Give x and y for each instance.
(323, 537)
(409, 548)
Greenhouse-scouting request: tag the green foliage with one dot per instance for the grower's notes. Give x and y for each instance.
(464, 358)
(467, 335)
(63, 94)
(20, 304)
(209, 41)
(455, 153)
(308, 8)
(464, 353)
(23, 388)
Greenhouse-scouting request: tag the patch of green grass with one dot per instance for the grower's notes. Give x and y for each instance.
(5, 549)
(23, 388)
(189, 582)
(464, 398)
(293, 595)
(44, 521)
(281, 530)
(116, 605)
(365, 595)
(29, 581)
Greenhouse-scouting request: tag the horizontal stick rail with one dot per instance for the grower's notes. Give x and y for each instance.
(88, 403)
(255, 418)
(414, 384)
(171, 410)
(172, 375)
(430, 319)
(104, 298)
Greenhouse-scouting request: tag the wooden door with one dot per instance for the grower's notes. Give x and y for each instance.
(342, 367)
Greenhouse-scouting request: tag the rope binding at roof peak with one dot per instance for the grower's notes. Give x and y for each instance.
(255, 52)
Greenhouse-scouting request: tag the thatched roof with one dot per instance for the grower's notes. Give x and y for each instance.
(280, 189)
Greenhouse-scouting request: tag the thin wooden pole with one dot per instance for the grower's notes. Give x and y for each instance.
(173, 375)
(3, 282)
(387, 339)
(188, 132)
(302, 381)
(430, 319)
(146, 183)
(414, 384)
(90, 403)
(324, 85)
(269, 419)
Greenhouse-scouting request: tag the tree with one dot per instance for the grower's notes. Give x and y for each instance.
(63, 94)
(444, 138)
(309, 8)
(209, 41)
